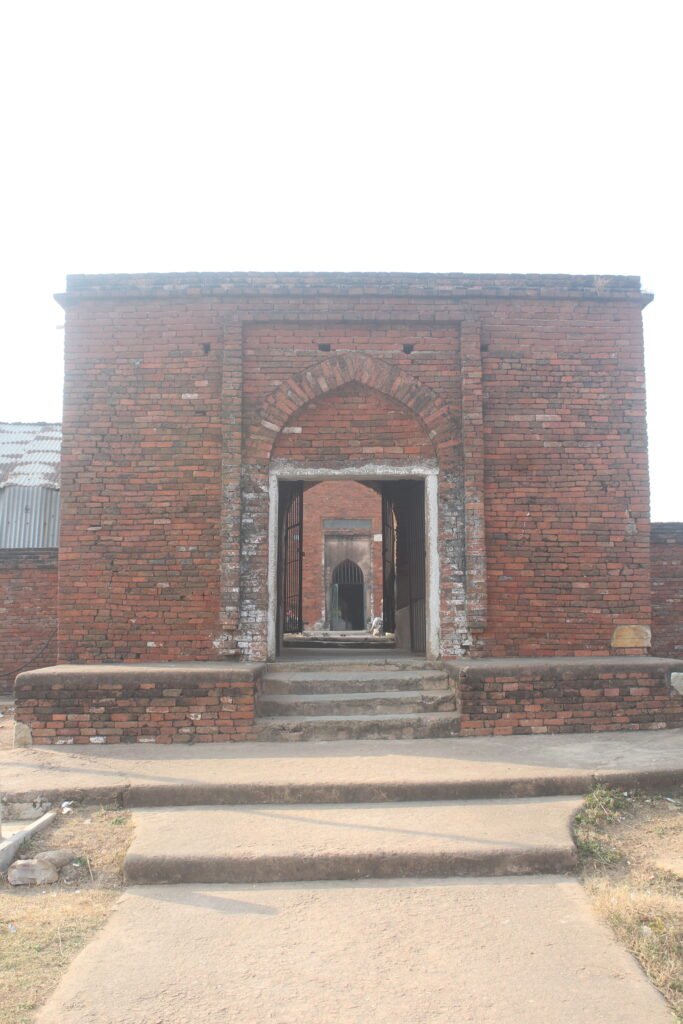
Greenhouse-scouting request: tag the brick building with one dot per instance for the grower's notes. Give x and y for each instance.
(29, 537)
(498, 420)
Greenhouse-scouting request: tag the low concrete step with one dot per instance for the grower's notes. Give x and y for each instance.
(338, 643)
(361, 662)
(275, 843)
(277, 728)
(353, 681)
(387, 702)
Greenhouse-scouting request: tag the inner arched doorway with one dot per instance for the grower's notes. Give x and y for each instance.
(357, 433)
(347, 597)
(408, 572)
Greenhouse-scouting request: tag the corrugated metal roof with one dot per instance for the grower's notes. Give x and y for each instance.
(29, 454)
(29, 517)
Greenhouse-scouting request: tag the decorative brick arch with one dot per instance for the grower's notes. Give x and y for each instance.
(337, 371)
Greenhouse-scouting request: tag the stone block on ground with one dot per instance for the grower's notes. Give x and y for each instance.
(58, 858)
(32, 872)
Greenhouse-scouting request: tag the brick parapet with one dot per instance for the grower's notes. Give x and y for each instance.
(28, 611)
(505, 697)
(94, 704)
(666, 556)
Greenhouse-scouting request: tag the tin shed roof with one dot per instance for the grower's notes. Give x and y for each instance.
(29, 454)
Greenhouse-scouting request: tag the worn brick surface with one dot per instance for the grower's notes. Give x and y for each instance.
(666, 553)
(28, 611)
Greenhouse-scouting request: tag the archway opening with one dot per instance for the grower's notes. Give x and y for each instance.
(346, 598)
(352, 439)
(363, 577)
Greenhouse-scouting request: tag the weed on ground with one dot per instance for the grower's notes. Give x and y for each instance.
(43, 927)
(631, 849)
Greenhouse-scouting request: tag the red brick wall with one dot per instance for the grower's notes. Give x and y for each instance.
(336, 500)
(666, 553)
(141, 475)
(566, 478)
(28, 611)
(552, 382)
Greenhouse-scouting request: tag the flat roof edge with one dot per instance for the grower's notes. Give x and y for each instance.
(428, 286)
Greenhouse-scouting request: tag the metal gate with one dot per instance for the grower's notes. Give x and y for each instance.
(415, 542)
(388, 562)
(290, 589)
(407, 569)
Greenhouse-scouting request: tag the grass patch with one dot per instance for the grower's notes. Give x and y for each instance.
(626, 843)
(42, 928)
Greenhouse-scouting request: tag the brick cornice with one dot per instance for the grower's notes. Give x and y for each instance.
(445, 287)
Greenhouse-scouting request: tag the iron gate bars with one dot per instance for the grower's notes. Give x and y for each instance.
(293, 552)
(388, 562)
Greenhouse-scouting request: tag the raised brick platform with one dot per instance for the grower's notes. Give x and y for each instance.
(508, 696)
(172, 703)
(203, 702)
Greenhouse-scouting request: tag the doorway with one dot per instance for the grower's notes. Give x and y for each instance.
(347, 597)
(408, 588)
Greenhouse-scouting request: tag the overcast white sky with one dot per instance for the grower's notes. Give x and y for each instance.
(476, 137)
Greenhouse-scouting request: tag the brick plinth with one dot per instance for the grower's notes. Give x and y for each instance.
(28, 611)
(200, 703)
(518, 696)
(666, 554)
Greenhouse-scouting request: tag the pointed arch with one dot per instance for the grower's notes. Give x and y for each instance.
(331, 374)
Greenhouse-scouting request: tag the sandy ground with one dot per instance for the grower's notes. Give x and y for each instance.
(632, 854)
(43, 927)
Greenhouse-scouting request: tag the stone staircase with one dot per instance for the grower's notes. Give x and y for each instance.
(356, 698)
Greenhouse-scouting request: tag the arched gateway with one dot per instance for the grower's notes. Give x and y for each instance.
(356, 418)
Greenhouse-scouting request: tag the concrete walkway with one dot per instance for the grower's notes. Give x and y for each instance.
(482, 951)
(139, 776)
(344, 905)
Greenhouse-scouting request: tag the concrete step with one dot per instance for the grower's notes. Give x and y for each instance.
(353, 681)
(279, 728)
(387, 702)
(361, 662)
(277, 843)
(339, 643)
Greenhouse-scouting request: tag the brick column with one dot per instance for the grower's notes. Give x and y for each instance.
(473, 459)
(231, 490)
